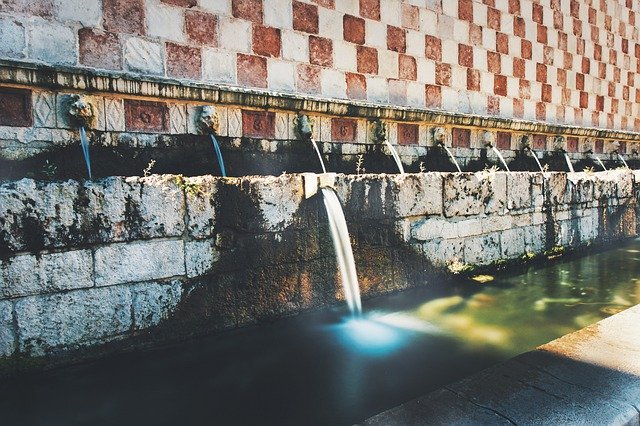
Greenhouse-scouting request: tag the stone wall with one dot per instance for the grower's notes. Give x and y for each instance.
(135, 259)
(561, 61)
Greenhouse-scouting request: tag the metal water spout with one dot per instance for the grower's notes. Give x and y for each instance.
(616, 150)
(82, 113)
(588, 152)
(304, 129)
(209, 124)
(488, 139)
(379, 135)
(439, 137)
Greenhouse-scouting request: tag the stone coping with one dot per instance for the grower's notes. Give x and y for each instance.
(591, 376)
(73, 78)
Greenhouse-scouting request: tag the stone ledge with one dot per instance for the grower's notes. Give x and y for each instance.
(86, 80)
(591, 376)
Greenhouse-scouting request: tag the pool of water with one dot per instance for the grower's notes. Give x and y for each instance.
(327, 368)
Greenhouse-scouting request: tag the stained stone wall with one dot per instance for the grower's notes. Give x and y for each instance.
(112, 262)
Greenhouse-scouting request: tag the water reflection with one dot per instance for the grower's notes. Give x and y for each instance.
(325, 368)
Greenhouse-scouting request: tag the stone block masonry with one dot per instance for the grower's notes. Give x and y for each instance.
(117, 261)
(559, 62)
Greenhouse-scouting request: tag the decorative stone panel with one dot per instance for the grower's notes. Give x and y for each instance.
(145, 116)
(15, 107)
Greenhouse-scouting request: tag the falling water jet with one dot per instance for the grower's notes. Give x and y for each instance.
(451, 156)
(81, 111)
(304, 128)
(601, 163)
(210, 124)
(568, 160)
(344, 254)
(504, 163)
(488, 139)
(589, 153)
(535, 157)
(626, 166)
(380, 135)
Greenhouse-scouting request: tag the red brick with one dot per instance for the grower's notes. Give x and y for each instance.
(586, 66)
(475, 34)
(524, 89)
(308, 78)
(500, 85)
(465, 55)
(201, 27)
(563, 40)
(370, 9)
(266, 41)
(443, 74)
(100, 49)
(561, 76)
(396, 39)
(490, 3)
(407, 134)
(181, 3)
(567, 61)
(465, 10)
(625, 93)
(574, 8)
(519, 26)
(546, 93)
(637, 50)
(183, 61)
(356, 86)
(494, 62)
(407, 68)
(329, 4)
(600, 103)
(525, 49)
(541, 34)
(367, 59)
(577, 27)
(252, 70)
(502, 43)
(580, 81)
(258, 124)
(321, 51)
(433, 48)
(473, 79)
(539, 142)
(541, 73)
(503, 140)
(541, 111)
(548, 55)
(353, 29)
(518, 67)
(123, 16)
(560, 113)
(584, 100)
(623, 147)
(555, 4)
(433, 96)
(572, 144)
(15, 107)
(410, 16)
(144, 116)
(598, 146)
(250, 10)
(493, 18)
(518, 108)
(305, 17)
(344, 130)
(592, 16)
(558, 20)
(537, 13)
(461, 138)
(625, 45)
(42, 8)
(514, 7)
(397, 91)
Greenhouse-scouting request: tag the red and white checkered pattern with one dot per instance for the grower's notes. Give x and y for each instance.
(565, 61)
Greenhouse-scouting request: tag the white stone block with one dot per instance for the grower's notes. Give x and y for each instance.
(220, 7)
(330, 24)
(52, 43)
(87, 12)
(12, 39)
(114, 114)
(138, 261)
(333, 83)
(44, 109)
(234, 122)
(143, 56)
(201, 208)
(345, 56)
(235, 34)
(295, 46)
(164, 21)
(178, 119)
(201, 257)
(73, 319)
(281, 75)
(154, 302)
(218, 66)
(278, 14)
(28, 274)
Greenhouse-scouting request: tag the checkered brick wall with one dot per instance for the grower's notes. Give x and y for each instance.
(565, 61)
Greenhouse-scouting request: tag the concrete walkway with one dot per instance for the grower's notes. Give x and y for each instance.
(588, 377)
